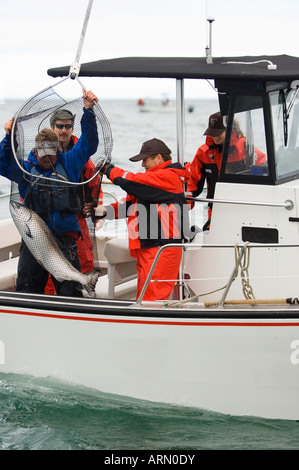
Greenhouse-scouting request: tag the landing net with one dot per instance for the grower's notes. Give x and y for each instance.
(50, 218)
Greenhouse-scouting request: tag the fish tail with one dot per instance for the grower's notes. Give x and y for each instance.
(89, 287)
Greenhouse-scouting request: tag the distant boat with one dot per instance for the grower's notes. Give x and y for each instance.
(164, 106)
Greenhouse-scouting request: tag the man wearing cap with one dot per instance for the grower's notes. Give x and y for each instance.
(57, 205)
(206, 163)
(91, 194)
(157, 214)
(207, 160)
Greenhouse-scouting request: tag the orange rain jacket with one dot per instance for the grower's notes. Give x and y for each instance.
(155, 204)
(157, 215)
(206, 163)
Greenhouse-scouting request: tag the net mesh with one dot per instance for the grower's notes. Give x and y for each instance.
(36, 113)
(47, 206)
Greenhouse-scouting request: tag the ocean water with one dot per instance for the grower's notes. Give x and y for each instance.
(46, 414)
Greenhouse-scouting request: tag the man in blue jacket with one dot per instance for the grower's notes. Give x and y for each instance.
(57, 204)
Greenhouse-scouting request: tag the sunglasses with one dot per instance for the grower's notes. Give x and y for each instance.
(61, 126)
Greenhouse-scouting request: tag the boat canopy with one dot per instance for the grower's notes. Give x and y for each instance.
(241, 68)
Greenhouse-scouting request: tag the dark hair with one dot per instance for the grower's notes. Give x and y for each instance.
(165, 156)
(237, 129)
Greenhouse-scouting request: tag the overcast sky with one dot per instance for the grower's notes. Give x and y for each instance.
(37, 34)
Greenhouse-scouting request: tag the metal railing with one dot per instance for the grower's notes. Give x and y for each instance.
(288, 204)
(186, 246)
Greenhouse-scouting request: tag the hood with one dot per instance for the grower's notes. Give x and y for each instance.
(181, 171)
(176, 167)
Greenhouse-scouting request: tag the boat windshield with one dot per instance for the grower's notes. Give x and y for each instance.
(246, 150)
(285, 122)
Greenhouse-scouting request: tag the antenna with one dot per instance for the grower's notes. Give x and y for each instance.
(209, 58)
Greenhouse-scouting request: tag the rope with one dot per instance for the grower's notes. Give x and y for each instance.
(190, 299)
(271, 66)
(244, 270)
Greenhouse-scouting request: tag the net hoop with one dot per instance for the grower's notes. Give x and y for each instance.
(106, 160)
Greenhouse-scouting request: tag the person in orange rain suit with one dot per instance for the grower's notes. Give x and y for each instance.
(62, 123)
(157, 215)
(205, 165)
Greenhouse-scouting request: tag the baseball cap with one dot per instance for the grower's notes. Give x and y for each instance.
(61, 115)
(216, 126)
(151, 147)
(44, 148)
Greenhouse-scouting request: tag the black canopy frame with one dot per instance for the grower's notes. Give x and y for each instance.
(241, 68)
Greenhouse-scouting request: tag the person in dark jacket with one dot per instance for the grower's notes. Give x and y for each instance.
(91, 194)
(205, 166)
(157, 214)
(57, 205)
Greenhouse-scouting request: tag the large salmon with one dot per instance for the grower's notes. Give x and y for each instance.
(45, 249)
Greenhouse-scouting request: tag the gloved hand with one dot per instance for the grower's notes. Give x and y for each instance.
(104, 168)
(96, 213)
(89, 209)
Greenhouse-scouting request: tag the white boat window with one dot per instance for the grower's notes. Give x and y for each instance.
(247, 153)
(285, 122)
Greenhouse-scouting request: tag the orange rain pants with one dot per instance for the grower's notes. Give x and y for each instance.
(166, 268)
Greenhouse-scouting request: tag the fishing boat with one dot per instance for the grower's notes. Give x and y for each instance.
(228, 339)
(163, 106)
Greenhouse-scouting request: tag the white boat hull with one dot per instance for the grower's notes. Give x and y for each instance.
(228, 363)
